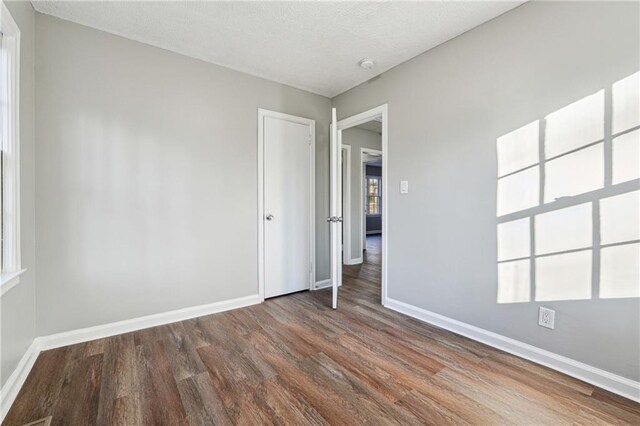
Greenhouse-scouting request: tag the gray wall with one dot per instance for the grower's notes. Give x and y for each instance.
(146, 178)
(358, 138)
(447, 107)
(17, 306)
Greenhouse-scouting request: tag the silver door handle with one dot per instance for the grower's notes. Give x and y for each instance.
(334, 219)
(269, 217)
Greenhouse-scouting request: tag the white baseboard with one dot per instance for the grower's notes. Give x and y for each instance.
(354, 261)
(323, 284)
(97, 332)
(595, 376)
(15, 381)
(11, 388)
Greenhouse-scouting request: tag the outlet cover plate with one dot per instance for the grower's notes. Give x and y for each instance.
(547, 318)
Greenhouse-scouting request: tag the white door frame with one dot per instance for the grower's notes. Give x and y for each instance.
(380, 112)
(363, 216)
(262, 114)
(346, 207)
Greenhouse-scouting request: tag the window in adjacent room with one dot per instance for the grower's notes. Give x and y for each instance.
(374, 198)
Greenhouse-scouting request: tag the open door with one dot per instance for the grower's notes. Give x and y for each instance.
(335, 209)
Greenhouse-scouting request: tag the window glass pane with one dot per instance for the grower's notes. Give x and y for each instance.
(575, 125)
(620, 271)
(374, 205)
(574, 173)
(514, 239)
(514, 281)
(626, 103)
(620, 218)
(373, 186)
(519, 191)
(518, 149)
(565, 229)
(626, 157)
(564, 276)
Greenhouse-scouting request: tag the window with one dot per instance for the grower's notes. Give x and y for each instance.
(10, 267)
(374, 195)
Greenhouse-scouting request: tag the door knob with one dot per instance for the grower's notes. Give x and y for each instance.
(269, 217)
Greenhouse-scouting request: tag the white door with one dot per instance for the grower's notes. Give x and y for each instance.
(287, 221)
(335, 210)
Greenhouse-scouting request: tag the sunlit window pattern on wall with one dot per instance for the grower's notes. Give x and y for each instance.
(626, 108)
(564, 276)
(568, 203)
(619, 218)
(518, 183)
(620, 253)
(575, 125)
(514, 283)
(564, 229)
(519, 191)
(575, 173)
(626, 157)
(518, 149)
(513, 244)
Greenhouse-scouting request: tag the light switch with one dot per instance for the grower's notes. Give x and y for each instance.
(404, 186)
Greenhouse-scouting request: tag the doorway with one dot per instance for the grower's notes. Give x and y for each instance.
(371, 199)
(353, 224)
(286, 203)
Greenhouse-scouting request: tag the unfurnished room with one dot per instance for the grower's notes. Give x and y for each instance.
(319, 212)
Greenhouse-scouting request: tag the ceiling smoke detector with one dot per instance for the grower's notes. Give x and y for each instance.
(367, 63)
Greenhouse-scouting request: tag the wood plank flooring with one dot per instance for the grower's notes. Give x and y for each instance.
(292, 360)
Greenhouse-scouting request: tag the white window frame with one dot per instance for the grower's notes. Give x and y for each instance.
(10, 138)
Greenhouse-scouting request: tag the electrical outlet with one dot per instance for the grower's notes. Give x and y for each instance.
(546, 317)
(404, 186)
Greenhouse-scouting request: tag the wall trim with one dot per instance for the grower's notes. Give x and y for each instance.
(354, 261)
(15, 381)
(612, 382)
(67, 338)
(323, 284)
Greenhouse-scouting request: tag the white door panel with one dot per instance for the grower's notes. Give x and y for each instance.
(335, 219)
(287, 206)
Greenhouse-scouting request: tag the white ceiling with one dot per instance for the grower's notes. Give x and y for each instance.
(315, 46)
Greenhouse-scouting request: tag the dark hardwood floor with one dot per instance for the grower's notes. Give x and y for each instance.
(292, 360)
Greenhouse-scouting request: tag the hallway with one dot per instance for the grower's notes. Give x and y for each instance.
(368, 273)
